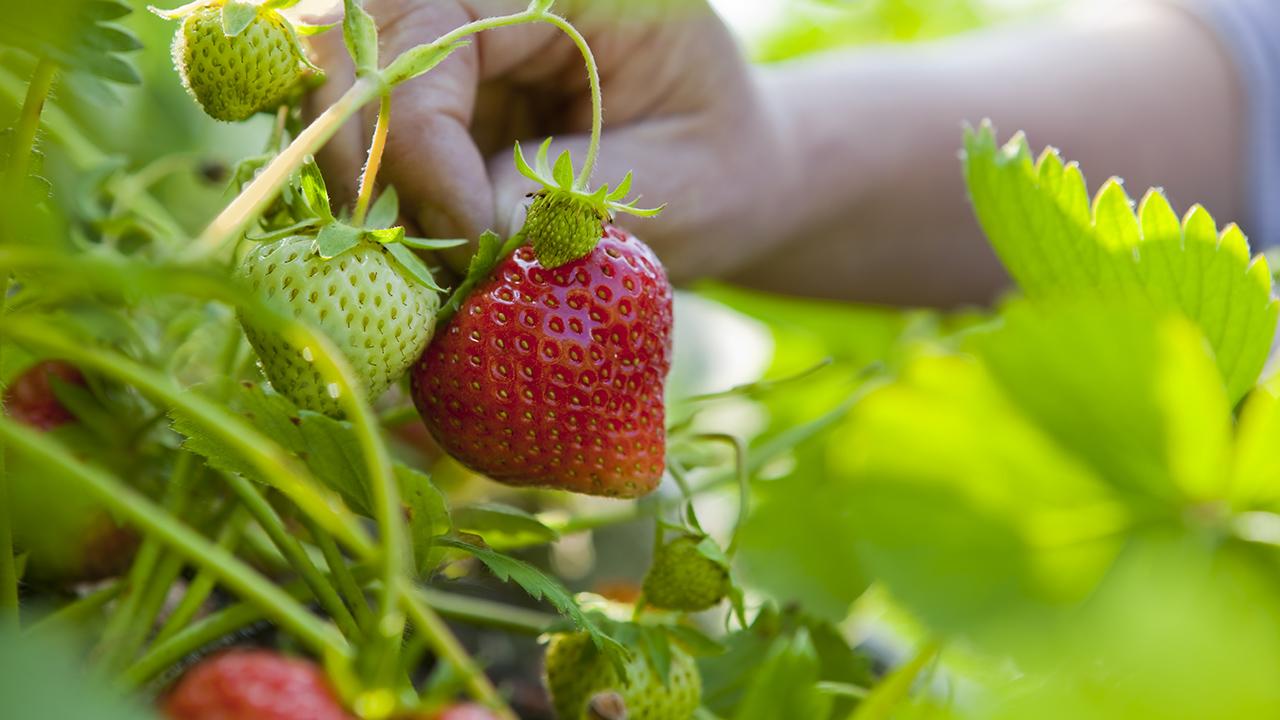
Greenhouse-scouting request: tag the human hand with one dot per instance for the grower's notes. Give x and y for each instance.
(681, 111)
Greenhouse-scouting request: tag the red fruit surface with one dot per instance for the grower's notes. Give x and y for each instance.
(29, 399)
(554, 378)
(254, 685)
(466, 711)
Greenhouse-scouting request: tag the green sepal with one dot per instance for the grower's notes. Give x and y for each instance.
(237, 16)
(360, 33)
(432, 243)
(413, 265)
(336, 238)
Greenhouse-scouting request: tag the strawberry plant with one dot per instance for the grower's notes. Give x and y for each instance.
(264, 459)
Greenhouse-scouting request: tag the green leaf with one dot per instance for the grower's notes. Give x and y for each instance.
(536, 583)
(427, 512)
(385, 236)
(895, 689)
(385, 210)
(336, 238)
(1132, 392)
(314, 191)
(236, 17)
(1039, 221)
(968, 511)
(487, 255)
(432, 244)
(360, 33)
(503, 525)
(73, 34)
(563, 172)
(417, 61)
(541, 6)
(328, 447)
(786, 683)
(43, 677)
(413, 265)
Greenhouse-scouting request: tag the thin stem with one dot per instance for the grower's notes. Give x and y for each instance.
(200, 588)
(255, 198)
(136, 509)
(164, 653)
(340, 571)
(447, 647)
(75, 612)
(478, 611)
(743, 478)
(379, 144)
(270, 522)
(113, 644)
(597, 100)
(24, 136)
(267, 457)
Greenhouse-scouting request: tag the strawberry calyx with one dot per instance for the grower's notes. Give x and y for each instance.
(238, 15)
(567, 219)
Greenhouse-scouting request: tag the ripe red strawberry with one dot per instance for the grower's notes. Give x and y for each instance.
(554, 378)
(466, 711)
(30, 400)
(552, 372)
(254, 685)
(66, 536)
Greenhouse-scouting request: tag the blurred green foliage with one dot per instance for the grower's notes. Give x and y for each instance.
(809, 26)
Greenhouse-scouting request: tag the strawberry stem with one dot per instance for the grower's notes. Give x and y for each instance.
(199, 589)
(446, 645)
(15, 174)
(376, 148)
(136, 509)
(597, 100)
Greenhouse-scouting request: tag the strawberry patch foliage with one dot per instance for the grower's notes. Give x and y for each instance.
(248, 457)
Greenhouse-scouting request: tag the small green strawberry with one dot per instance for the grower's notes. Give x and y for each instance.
(576, 672)
(565, 220)
(236, 58)
(689, 574)
(362, 299)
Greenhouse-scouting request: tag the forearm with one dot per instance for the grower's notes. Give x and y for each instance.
(876, 210)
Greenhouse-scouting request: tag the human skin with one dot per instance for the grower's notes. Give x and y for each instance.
(832, 177)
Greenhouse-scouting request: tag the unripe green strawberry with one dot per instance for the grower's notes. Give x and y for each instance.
(378, 316)
(682, 577)
(576, 672)
(235, 76)
(562, 227)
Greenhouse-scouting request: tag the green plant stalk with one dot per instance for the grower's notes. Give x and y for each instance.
(24, 135)
(377, 146)
(24, 139)
(447, 648)
(151, 602)
(67, 617)
(236, 217)
(597, 100)
(85, 155)
(164, 653)
(743, 478)
(203, 583)
(255, 198)
(136, 509)
(265, 515)
(266, 456)
(340, 571)
(112, 646)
